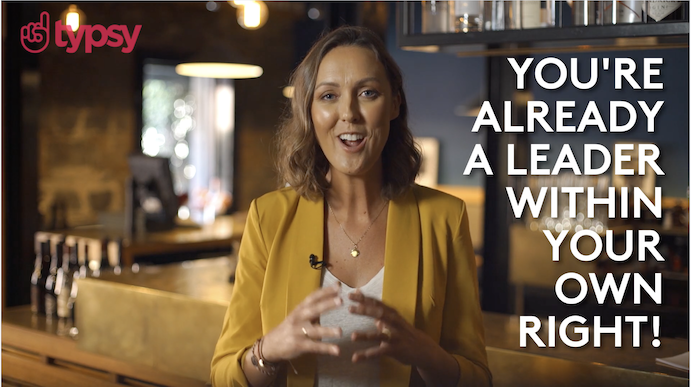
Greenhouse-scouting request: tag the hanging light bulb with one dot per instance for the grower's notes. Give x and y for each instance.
(251, 14)
(73, 17)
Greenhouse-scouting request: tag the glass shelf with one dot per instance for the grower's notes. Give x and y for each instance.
(672, 34)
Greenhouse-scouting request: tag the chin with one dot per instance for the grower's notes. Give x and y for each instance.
(355, 171)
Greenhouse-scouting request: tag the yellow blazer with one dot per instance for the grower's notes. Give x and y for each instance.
(429, 278)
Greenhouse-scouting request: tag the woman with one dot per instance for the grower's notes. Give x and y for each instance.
(353, 275)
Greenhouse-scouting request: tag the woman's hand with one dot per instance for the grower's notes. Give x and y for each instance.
(300, 333)
(403, 342)
(397, 337)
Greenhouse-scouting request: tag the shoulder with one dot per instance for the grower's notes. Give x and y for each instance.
(276, 202)
(283, 206)
(432, 200)
(268, 211)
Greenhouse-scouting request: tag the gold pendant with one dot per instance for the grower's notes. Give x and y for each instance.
(354, 252)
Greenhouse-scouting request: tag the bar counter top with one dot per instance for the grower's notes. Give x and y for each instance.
(167, 310)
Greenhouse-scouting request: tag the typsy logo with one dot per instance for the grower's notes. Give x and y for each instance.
(35, 36)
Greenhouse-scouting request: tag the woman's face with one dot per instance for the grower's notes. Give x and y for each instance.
(351, 109)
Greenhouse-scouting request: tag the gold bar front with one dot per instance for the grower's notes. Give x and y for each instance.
(167, 317)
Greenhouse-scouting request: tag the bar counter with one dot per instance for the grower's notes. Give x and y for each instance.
(159, 326)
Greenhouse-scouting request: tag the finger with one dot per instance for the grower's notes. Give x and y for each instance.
(368, 336)
(372, 307)
(301, 311)
(34, 30)
(369, 353)
(378, 311)
(357, 295)
(361, 298)
(24, 32)
(321, 348)
(44, 20)
(313, 311)
(38, 33)
(323, 293)
(318, 332)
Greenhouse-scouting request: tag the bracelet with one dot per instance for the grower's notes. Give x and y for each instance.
(265, 367)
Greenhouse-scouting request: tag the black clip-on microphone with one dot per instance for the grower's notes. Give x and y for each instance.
(314, 263)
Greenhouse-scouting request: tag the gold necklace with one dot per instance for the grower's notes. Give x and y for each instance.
(354, 250)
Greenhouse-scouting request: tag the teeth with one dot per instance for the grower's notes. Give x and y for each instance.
(351, 137)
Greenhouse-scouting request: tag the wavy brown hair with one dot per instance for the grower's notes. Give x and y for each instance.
(300, 161)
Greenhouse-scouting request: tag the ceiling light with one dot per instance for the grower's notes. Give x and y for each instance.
(73, 17)
(218, 61)
(252, 14)
(219, 70)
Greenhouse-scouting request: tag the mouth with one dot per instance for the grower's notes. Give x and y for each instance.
(352, 140)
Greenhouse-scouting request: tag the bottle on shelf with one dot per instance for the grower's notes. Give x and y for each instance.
(550, 13)
(83, 258)
(494, 15)
(103, 257)
(52, 279)
(468, 16)
(67, 286)
(622, 12)
(115, 250)
(655, 11)
(79, 271)
(530, 14)
(436, 17)
(62, 283)
(586, 12)
(512, 15)
(38, 278)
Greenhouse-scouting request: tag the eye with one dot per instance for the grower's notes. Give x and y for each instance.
(369, 93)
(328, 96)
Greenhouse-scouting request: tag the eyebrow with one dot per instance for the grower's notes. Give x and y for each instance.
(360, 82)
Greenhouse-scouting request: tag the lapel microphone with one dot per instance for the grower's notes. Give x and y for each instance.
(314, 263)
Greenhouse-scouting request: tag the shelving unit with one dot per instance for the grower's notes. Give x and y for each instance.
(574, 38)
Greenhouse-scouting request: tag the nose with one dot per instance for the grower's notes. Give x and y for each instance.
(349, 109)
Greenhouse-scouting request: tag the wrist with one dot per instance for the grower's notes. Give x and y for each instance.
(437, 366)
(431, 356)
(268, 350)
(260, 362)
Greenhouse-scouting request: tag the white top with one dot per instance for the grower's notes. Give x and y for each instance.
(339, 371)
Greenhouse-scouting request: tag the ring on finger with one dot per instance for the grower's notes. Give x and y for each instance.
(305, 332)
(387, 333)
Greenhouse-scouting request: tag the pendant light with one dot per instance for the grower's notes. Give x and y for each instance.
(218, 61)
(252, 14)
(73, 17)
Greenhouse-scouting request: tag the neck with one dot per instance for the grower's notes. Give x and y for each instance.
(356, 196)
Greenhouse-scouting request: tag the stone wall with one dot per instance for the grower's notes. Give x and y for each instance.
(89, 102)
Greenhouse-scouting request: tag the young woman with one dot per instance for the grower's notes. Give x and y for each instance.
(352, 275)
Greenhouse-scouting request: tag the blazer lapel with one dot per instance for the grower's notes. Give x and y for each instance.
(400, 286)
(307, 237)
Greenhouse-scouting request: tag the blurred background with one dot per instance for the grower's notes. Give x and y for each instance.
(127, 165)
